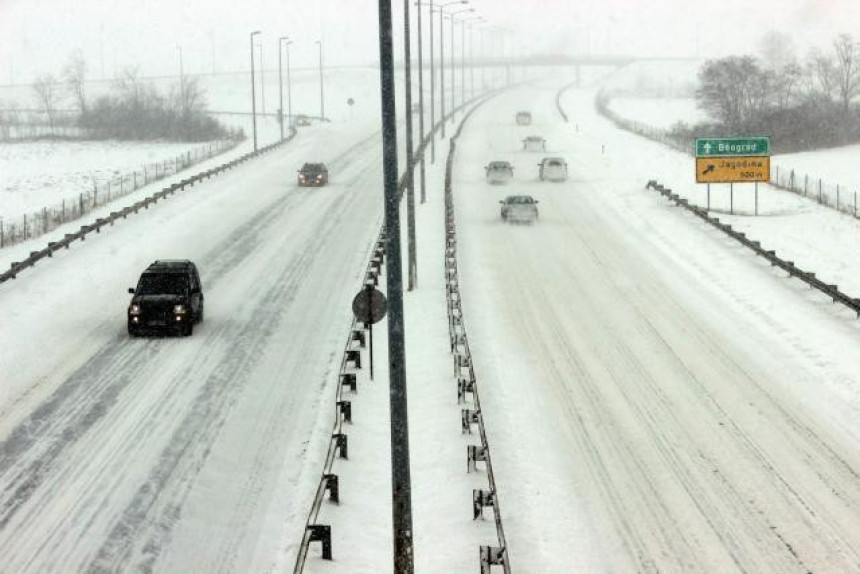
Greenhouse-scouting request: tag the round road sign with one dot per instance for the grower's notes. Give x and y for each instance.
(370, 305)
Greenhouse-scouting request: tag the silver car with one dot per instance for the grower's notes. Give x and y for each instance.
(524, 118)
(499, 172)
(534, 143)
(519, 209)
(552, 169)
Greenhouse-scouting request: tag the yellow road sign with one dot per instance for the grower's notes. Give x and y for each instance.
(732, 169)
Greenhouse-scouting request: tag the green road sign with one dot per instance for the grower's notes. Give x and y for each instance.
(732, 147)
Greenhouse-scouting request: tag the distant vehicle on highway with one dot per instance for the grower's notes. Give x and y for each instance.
(168, 298)
(552, 169)
(302, 121)
(524, 118)
(499, 172)
(534, 143)
(519, 209)
(313, 175)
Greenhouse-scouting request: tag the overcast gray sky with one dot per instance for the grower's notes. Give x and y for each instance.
(36, 36)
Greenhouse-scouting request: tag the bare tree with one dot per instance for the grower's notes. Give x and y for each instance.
(822, 75)
(777, 50)
(46, 96)
(847, 69)
(189, 97)
(75, 74)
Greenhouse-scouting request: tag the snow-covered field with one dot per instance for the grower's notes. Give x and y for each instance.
(43, 173)
(661, 113)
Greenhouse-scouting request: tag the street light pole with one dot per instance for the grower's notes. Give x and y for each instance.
(289, 86)
(262, 80)
(423, 179)
(253, 91)
(432, 95)
(442, 67)
(401, 488)
(410, 159)
(281, 87)
(322, 88)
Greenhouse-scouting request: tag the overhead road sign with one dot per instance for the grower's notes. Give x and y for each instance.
(732, 169)
(733, 147)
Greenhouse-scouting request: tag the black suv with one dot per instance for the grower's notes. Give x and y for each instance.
(313, 174)
(168, 297)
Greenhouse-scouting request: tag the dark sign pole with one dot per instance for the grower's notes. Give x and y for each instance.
(410, 159)
(400, 480)
(369, 291)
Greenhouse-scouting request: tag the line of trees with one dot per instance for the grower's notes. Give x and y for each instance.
(133, 110)
(802, 105)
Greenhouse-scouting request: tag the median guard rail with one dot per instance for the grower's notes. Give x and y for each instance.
(315, 531)
(97, 225)
(467, 383)
(832, 291)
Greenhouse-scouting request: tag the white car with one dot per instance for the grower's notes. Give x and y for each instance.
(519, 209)
(524, 118)
(534, 143)
(499, 172)
(552, 169)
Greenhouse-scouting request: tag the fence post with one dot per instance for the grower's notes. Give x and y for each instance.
(81, 203)
(2, 235)
(777, 176)
(837, 197)
(63, 217)
(25, 226)
(805, 184)
(108, 197)
(44, 220)
(819, 190)
(135, 179)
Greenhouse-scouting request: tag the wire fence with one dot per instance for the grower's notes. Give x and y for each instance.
(29, 132)
(48, 218)
(833, 195)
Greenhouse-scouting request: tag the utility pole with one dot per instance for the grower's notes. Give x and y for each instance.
(253, 91)
(401, 488)
(432, 96)
(410, 158)
(421, 105)
(442, 67)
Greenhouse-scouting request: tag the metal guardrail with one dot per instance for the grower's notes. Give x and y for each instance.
(467, 384)
(832, 291)
(96, 226)
(558, 100)
(314, 531)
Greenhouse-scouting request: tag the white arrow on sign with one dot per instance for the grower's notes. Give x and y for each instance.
(707, 147)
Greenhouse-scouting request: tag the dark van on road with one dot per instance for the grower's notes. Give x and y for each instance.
(168, 298)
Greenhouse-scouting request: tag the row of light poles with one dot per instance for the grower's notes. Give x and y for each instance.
(400, 468)
(284, 43)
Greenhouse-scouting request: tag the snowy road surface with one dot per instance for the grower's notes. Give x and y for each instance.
(657, 399)
(196, 454)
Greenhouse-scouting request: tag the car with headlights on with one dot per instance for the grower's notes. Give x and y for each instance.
(519, 209)
(313, 175)
(168, 298)
(499, 172)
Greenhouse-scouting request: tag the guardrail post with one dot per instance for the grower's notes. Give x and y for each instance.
(481, 499)
(344, 409)
(331, 485)
(491, 556)
(340, 445)
(468, 417)
(353, 356)
(474, 455)
(349, 380)
(321, 533)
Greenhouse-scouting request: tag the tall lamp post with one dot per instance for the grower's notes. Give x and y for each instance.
(423, 179)
(289, 85)
(463, 24)
(281, 87)
(322, 89)
(262, 80)
(453, 17)
(410, 159)
(253, 91)
(401, 484)
(441, 10)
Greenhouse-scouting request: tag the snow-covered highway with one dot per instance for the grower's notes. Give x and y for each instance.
(658, 400)
(196, 454)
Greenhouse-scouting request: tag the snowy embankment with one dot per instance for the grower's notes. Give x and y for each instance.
(660, 113)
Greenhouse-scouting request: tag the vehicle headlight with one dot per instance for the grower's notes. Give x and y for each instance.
(179, 309)
(134, 309)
